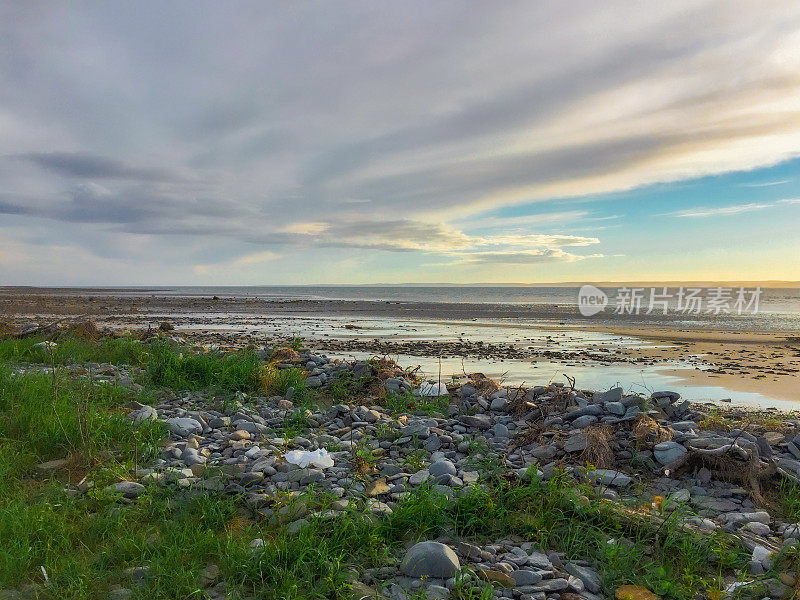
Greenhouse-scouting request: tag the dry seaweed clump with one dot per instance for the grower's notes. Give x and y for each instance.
(598, 451)
(7, 329)
(484, 385)
(648, 432)
(284, 354)
(387, 368)
(85, 330)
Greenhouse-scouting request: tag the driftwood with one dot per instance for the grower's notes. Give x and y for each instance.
(736, 464)
(48, 330)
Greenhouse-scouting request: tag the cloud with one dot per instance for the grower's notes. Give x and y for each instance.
(538, 239)
(767, 183)
(523, 257)
(719, 211)
(387, 127)
(247, 260)
(87, 166)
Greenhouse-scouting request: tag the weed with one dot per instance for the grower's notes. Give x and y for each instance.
(715, 421)
(276, 382)
(415, 460)
(789, 500)
(347, 386)
(118, 351)
(409, 402)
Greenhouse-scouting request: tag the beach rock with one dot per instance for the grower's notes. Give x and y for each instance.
(609, 477)
(615, 408)
(584, 421)
(634, 592)
(143, 414)
(430, 559)
(442, 467)
(52, 465)
(590, 578)
(612, 395)
(668, 452)
(314, 381)
(526, 577)
(480, 421)
(498, 404)
(762, 556)
(184, 426)
(129, 489)
(496, 576)
(575, 443)
(739, 518)
(501, 431)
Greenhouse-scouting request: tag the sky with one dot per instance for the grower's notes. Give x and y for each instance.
(257, 143)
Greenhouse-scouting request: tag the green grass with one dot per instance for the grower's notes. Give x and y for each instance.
(118, 351)
(411, 403)
(789, 500)
(43, 417)
(87, 543)
(276, 382)
(347, 386)
(165, 364)
(169, 367)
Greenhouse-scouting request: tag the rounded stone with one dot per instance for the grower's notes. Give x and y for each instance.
(430, 559)
(442, 467)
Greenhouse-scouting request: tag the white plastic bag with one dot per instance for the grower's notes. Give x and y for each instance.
(432, 389)
(303, 458)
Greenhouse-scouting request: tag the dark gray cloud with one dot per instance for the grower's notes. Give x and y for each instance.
(81, 165)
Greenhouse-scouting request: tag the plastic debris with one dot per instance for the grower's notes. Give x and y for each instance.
(432, 389)
(303, 458)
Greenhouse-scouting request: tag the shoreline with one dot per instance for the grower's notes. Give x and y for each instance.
(748, 361)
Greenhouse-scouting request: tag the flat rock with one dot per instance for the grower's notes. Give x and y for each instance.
(590, 578)
(576, 443)
(184, 426)
(479, 421)
(52, 465)
(612, 395)
(609, 477)
(442, 467)
(668, 452)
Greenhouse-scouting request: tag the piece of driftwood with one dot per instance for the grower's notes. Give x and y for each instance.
(735, 464)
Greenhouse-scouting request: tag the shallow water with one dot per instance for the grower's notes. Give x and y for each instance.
(522, 334)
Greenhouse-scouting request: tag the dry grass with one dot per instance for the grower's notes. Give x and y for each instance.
(648, 432)
(84, 330)
(483, 384)
(6, 329)
(598, 450)
(284, 354)
(715, 422)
